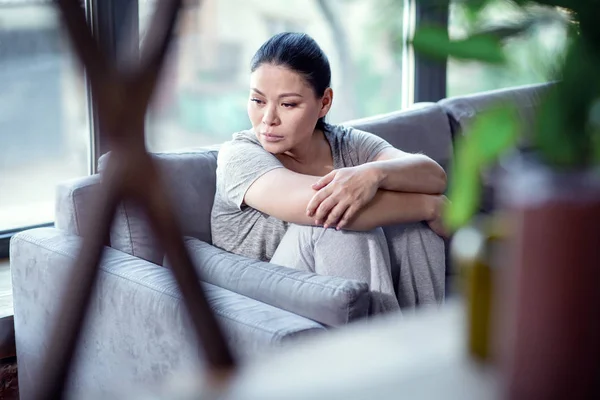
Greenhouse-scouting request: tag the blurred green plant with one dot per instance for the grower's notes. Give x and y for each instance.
(567, 130)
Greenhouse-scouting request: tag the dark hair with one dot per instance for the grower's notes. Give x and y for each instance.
(300, 53)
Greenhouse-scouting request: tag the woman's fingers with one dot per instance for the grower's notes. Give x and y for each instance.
(324, 181)
(322, 212)
(316, 201)
(347, 217)
(335, 214)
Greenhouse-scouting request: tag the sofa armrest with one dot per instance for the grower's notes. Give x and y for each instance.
(73, 203)
(137, 327)
(332, 301)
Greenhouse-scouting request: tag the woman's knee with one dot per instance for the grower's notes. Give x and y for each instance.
(318, 233)
(376, 233)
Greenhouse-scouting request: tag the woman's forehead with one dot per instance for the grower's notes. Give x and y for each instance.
(270, 77)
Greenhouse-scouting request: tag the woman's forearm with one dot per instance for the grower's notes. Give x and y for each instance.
(391, 208)
(414, 174)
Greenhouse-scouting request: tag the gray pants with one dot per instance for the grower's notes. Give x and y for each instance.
(404, 265)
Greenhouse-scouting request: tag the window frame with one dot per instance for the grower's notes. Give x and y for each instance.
(430, 80)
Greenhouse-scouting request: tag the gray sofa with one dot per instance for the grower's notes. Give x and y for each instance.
(137, 330)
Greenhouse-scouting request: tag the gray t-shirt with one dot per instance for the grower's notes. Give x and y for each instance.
(243, 230)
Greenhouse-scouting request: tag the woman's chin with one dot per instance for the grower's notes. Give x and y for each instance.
(274, 147)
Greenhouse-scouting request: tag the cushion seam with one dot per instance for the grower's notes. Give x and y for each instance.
(73, 194)
(126, 216)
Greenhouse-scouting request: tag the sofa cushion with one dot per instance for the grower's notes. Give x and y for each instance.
(423, 128)
(332, 301)
(190, 179)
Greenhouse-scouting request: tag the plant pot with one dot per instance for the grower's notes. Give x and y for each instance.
(549, 304)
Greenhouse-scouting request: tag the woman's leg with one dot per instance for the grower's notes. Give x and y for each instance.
(362, 256)
(418, 264)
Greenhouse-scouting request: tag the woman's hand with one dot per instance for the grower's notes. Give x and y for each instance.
(342, 193)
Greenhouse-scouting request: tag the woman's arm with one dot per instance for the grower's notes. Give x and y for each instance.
(404, 172)
(284, 194)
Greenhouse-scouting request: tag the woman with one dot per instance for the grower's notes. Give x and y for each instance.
(337, 201)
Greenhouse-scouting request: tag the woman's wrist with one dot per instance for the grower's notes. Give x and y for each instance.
(377, 173)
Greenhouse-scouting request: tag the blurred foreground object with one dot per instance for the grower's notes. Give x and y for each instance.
(122, 98)
(530, 277)
(549, 296)
(417, 357)
(473, 251)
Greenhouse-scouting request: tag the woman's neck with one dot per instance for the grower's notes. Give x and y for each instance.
(312, 157)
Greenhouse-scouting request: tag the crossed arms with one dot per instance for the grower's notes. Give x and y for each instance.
(397, 187)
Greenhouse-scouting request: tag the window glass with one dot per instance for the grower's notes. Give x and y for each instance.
(44, 132)
(530, 56)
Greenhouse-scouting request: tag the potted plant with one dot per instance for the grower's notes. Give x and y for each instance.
(549, 295)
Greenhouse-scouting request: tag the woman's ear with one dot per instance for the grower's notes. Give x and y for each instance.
(326, 102)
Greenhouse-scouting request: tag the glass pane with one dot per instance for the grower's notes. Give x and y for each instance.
(530, 57)
(205, 86)
(44, 136)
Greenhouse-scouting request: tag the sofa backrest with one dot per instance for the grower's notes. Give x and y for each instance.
(462, 110)
(423, 128)
(191, 177)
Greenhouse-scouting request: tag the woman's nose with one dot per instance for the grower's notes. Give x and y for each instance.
(270, 117)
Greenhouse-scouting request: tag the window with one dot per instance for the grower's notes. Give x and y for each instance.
(530, 56)
(204, 90)
(44, 135)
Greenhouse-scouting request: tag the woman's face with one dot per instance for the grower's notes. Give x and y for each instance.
(283, 108)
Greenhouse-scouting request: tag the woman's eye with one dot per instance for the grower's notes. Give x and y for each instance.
(289, 105)
(257, 101)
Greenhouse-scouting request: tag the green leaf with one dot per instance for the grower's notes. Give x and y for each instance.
(491, 134)
(563, 137)
(434, 42)
(464, 193)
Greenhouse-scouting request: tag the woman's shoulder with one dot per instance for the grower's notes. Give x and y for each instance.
(243, 149)
(241, 142)
(344, 132)
(345, 135)
(351, 133)
(240, 138)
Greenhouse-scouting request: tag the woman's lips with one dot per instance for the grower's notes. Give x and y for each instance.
(269, 137)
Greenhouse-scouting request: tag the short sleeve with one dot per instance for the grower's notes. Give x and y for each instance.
(239, 164)
(366, 145)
